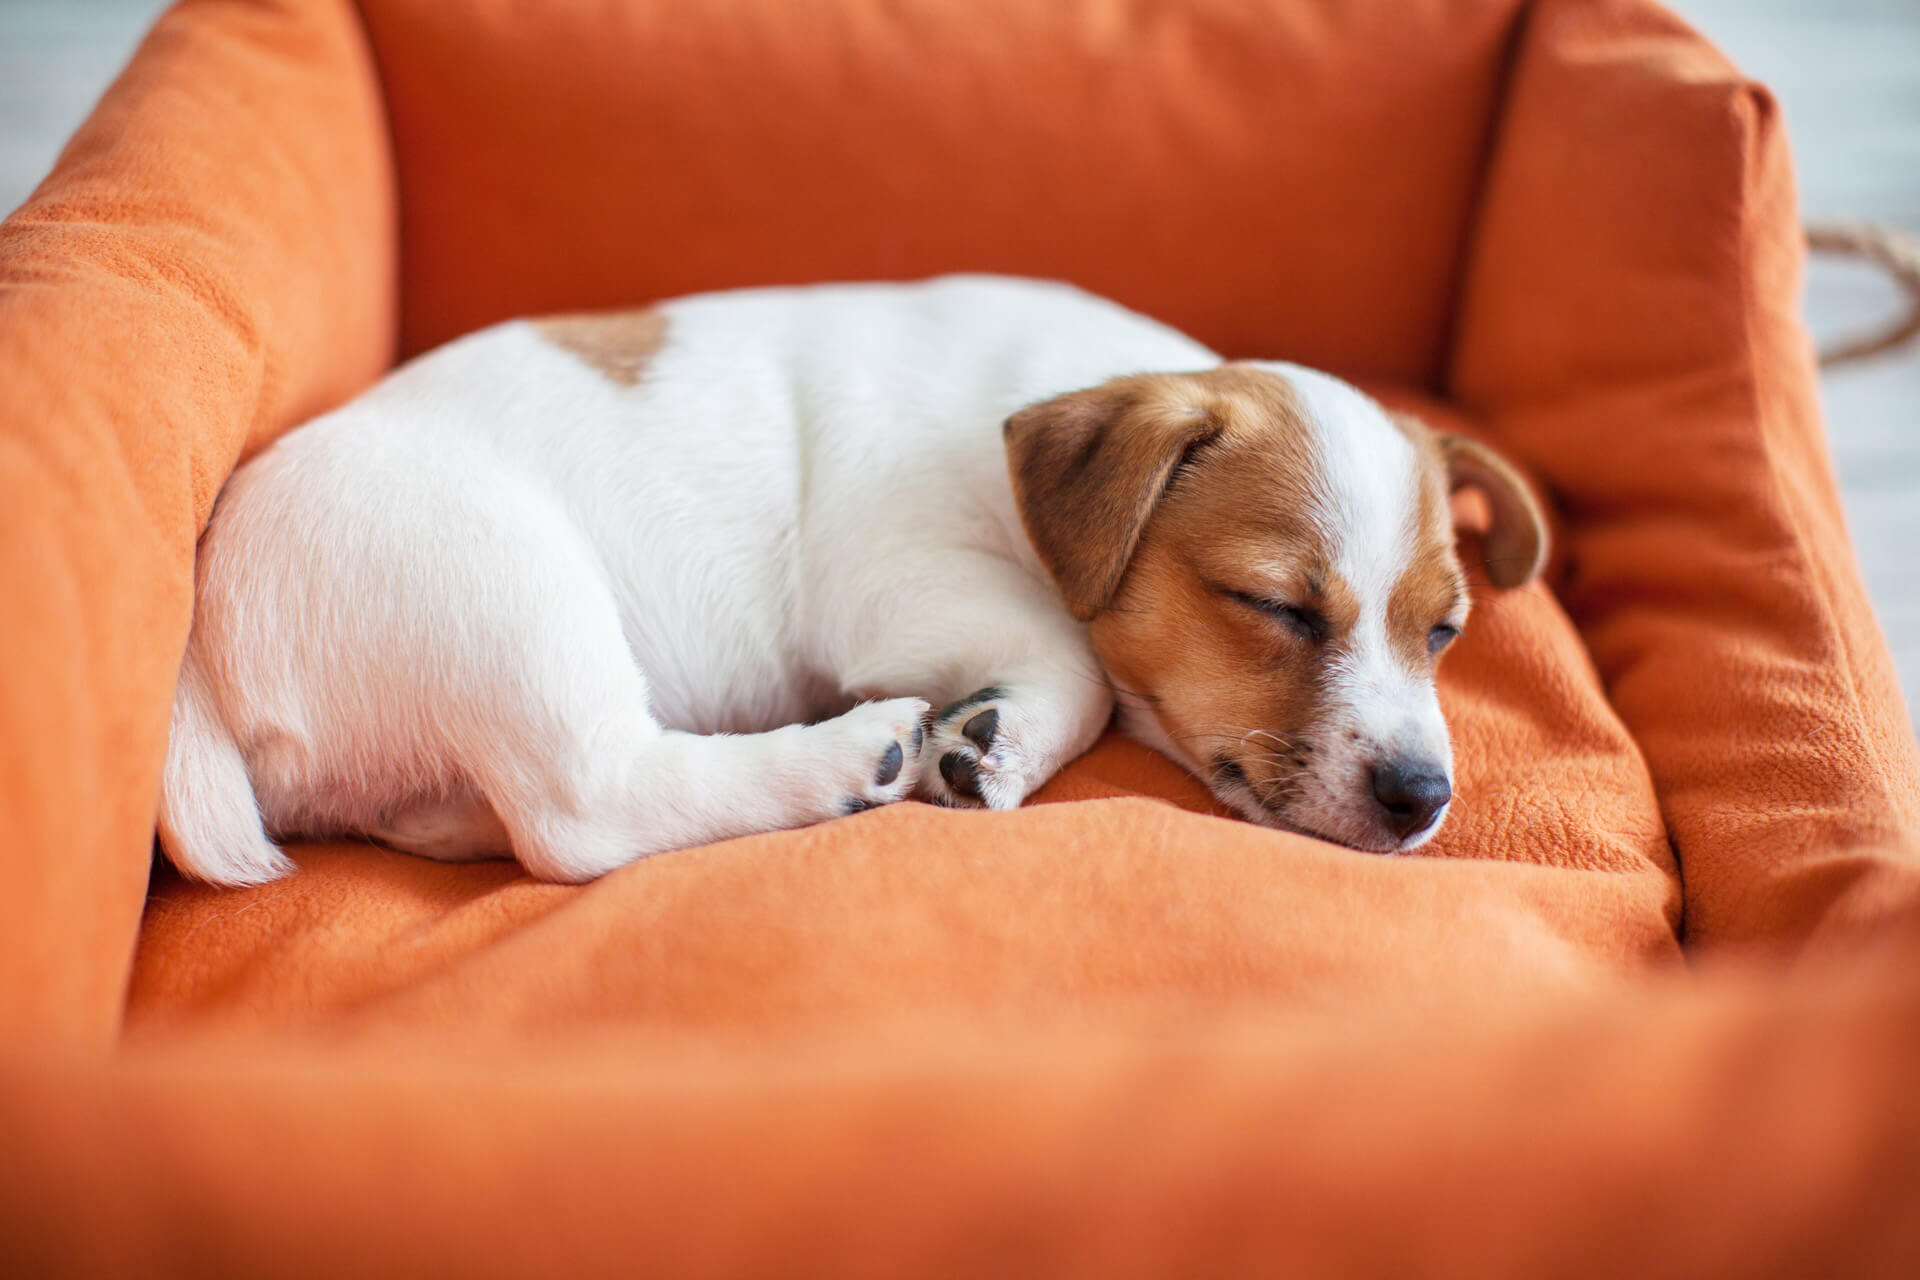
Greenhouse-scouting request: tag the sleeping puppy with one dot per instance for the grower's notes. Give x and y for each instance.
(583, 589)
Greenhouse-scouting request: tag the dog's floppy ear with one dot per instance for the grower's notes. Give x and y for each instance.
(1088, 468)
(1516, 541)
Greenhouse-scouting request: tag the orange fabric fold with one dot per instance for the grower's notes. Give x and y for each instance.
(1717, 1126)
(211, 261)
(1277, 179)
(1630, 329)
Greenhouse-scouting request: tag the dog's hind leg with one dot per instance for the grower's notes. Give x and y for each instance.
(549, 717)
(599, 795)
(686, 790)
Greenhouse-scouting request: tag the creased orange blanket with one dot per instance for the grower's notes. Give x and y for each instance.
(1115, 1033)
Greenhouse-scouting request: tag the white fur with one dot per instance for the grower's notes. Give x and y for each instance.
(501, 598)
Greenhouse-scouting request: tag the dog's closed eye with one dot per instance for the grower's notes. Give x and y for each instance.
(1307, 623)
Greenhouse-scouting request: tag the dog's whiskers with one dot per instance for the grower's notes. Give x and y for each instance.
(1227, 768)
(1284, 748)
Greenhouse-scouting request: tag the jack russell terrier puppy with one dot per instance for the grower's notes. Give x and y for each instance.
(584, 589)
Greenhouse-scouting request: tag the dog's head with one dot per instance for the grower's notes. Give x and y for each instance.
(1265, 558)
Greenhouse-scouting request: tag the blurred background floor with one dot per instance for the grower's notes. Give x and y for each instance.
(1846, 71)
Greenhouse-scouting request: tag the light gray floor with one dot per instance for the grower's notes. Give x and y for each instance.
(1847, 72)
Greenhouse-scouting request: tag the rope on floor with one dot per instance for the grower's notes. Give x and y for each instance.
(1894, 252)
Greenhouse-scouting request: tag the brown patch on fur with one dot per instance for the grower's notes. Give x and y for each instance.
(617, 343)
(1235, 688)
(1432, 590)
(1516, 537)
(1088, 469)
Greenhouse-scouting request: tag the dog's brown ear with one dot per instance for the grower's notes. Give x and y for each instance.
(1516, 541)
(1088, 468)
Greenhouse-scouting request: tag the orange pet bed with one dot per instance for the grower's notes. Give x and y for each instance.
(1651, 1002)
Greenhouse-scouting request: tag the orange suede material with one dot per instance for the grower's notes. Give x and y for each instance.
(1689, 1127)
(1112, 1033)
(1631, 332)
(212, 261)
(1186, 159)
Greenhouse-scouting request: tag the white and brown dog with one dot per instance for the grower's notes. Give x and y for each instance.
(584, 589)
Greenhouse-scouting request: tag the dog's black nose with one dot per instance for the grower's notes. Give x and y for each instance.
(1410, 793)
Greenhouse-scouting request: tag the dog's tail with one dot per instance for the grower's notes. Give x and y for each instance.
(209, 820)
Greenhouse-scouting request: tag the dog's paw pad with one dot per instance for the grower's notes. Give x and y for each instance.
(870, 755)
(980, 729)
(890, 761)
(980, 759)
(961, 774)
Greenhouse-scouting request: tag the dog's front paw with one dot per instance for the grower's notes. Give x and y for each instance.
(878, 752)
(974, 753)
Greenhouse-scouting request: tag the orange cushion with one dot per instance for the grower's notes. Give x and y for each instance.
(1276, 179)
(1111, 1031)
(211, 261)
(1630, 329)
(1102, 902)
